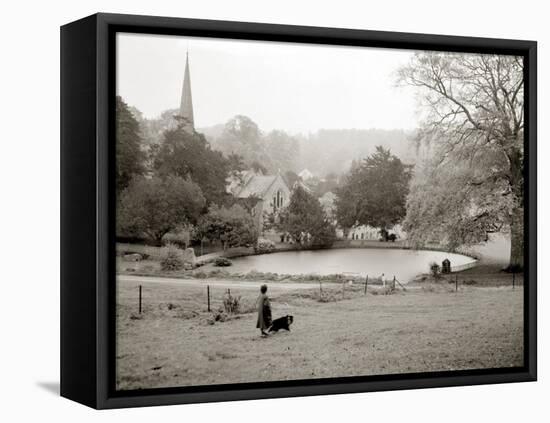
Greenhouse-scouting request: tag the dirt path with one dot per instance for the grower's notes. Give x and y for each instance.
(136, 280)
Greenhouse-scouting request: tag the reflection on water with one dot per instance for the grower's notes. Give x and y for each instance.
(403, 264)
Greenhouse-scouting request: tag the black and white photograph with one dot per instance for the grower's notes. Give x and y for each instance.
(290, 211)
(293, 211)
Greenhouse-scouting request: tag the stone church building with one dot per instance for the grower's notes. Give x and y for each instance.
(264, 193)
(269, 193)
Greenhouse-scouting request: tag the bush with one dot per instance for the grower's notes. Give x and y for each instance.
(435, 269)
(180, 238)
(171, 258)
(231, 304)
(222, 262)
(264, 246)
(326, 298)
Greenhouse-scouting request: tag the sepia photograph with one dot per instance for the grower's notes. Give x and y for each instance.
(290, 211)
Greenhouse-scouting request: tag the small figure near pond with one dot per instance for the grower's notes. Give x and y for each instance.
(264, 311)
(446, 266)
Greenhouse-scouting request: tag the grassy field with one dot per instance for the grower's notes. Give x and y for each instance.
(177, 342)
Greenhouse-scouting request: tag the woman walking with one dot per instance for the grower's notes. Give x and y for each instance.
(264, 311)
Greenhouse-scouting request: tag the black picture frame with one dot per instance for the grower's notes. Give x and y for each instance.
(87, 209)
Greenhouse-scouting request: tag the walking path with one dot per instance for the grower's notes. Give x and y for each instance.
(136, 280)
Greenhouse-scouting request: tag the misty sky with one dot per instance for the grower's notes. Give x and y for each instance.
(293, 87)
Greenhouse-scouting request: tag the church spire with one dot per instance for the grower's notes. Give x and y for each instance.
(186, 106)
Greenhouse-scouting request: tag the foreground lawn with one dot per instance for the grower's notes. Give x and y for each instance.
(176, 342)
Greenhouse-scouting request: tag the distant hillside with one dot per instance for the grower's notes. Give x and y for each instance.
(332, 150)
(323, 152)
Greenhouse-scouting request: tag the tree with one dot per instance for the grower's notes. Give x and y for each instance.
(474, 116)
(241, 135)
(305, 220)
(328, 184)
(291, 178)
(444, 208)
(188, 155)
(156, 206)
(130, 158)
(232, 226)
(374, 192)
(152, 130)
(282, 151)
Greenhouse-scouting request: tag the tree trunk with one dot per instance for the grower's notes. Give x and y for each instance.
(516, 221)
(517, 237)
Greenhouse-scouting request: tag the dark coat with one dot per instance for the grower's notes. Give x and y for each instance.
(264, 312)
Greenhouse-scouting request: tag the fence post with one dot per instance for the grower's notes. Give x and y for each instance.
(320, 289)
(456, 283)
(366, 283)
(513, 280)
(208, 295)
(140, 299)
(344, 290)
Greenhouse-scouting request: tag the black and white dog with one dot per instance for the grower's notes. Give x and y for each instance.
(281, 323)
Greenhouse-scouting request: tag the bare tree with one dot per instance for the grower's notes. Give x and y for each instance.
(473, 112)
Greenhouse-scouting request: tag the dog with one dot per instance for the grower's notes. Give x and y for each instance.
(281, 323)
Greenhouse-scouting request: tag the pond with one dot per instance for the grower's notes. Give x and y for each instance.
(404, 264)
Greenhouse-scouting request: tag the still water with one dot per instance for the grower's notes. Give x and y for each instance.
(404, 264)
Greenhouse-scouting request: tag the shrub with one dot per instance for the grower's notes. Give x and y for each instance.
(231, 304)
(326, 298)
(171, 258)
(219, 273)
(222, 262)
(181, 238)
(435, 269)
(264, 246)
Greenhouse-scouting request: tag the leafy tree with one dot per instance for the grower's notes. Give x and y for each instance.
(291, 178)
(282, 151)
(188, 155)
(374, 193)
(276, 151)
(156, 206)
(232, 226)
(129, 156)
(327, 184)
(154, 128)
(258, 167)
(474, 117)
(241, 135)
(443, 207)
(235, 163)
(305, 220)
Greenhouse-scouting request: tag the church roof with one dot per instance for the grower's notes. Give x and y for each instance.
(257, 186)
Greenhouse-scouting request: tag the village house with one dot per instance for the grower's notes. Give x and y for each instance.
(305, 175)
(368, 233)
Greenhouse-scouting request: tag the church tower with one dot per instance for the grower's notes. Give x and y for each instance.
(186, 106)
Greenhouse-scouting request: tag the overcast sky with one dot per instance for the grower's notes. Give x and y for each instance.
(293, 87)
